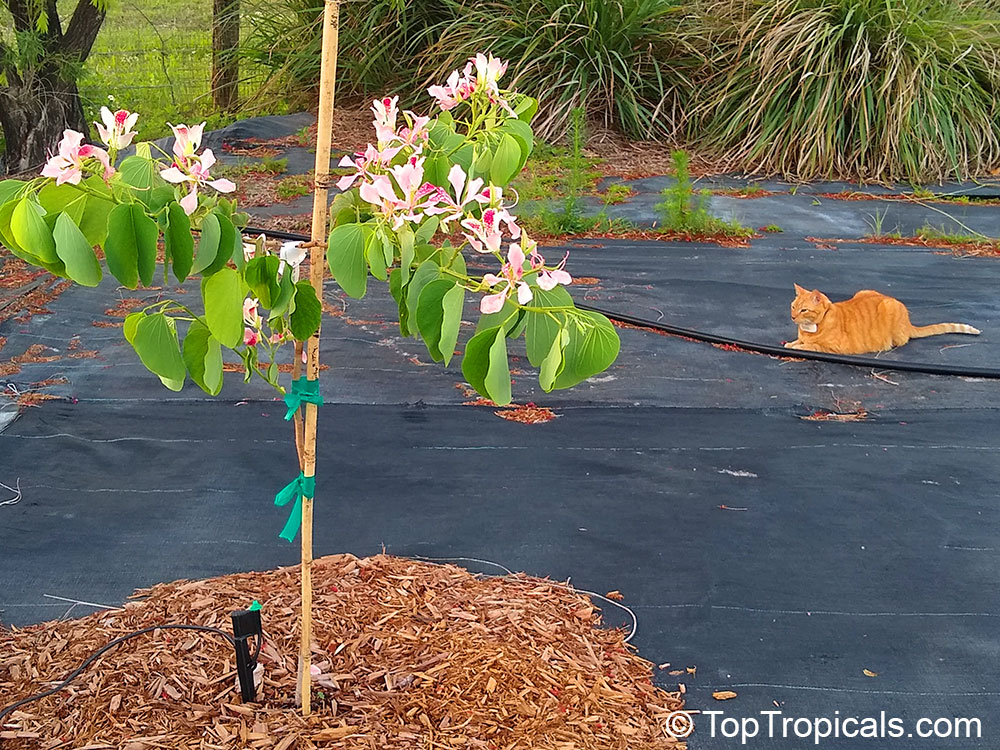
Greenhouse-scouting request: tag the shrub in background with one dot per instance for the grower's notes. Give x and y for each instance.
(614, 59)
(379, 42)
(876, 89)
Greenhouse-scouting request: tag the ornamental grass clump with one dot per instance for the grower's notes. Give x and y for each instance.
(870, 89)
(616, 60)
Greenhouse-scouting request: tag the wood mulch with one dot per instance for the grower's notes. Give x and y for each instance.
(410, 656)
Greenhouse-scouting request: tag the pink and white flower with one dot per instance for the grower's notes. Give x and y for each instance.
(187, 140)
(415, 133)
(250, 337)
(250, 315)
(193, 169)
(457, 89)
(487, 233)
(409, 178)
(364, 162)
(465, 191)
(116, 131)
(512, 275)
(291, 254)
(488, 71)
(385, 119)
(67, 166)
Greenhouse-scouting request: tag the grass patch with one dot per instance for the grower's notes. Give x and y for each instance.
(551, 170)
(268, 167)
(616, 193)
(294, 186)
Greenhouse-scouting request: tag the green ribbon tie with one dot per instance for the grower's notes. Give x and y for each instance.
(304, 391)
(295, 490)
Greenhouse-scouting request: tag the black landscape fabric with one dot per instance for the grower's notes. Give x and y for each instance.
(780, 556)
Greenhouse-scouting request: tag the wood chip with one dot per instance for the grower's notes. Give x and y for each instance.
(411, 655)
(723, 695)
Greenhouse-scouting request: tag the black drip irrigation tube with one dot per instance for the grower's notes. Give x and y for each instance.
(924, 368)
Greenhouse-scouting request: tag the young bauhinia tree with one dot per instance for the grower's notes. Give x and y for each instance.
(429, 191)
(40, 61)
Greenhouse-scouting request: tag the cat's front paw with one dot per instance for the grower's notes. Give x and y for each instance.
(793, 344)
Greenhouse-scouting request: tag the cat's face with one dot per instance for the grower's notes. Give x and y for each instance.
(808, 308)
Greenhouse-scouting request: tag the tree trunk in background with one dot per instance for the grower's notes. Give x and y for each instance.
(225, 57)
(33, 117)
(39, 99)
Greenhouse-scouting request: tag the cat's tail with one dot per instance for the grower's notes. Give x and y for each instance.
(919, 332)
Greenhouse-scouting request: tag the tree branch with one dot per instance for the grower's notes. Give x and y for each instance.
(82, 29)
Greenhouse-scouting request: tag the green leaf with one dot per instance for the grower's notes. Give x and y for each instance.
(524, 107)
(378, 253)
(552, 365)
(203, 358)
(308, 314)
(94, 221)
(588, 352)
(541, 329)
(286, 293)
(426, 230)
(426, 272)
(476, 360)
(30, 231)
(506, 160)
(485, 365)
(498, 376)
(407, 251)
(54, 198)
(344, 208)
(155, 341)
(73, 249)
(430, 314)
(208, 243)
(229, 239)
(398, 292)
(223, 296)
(130, 248)
(346, 256)
(261, 275)
(436, 170)
(178, 242)
(10, 189)
(131, 323)
(141, 175)
(522, 132)
(452, 303)
(508, 317)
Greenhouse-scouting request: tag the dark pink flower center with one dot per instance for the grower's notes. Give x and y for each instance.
(120, 117)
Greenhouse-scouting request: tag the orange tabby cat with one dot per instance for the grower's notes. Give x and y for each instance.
(868, 322)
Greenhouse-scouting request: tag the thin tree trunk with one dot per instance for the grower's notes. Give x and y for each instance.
(225, 58)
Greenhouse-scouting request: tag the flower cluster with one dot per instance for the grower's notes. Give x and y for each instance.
(70, 162)
(192, 168)
(390, 177)
(481, 74)
(74, 158)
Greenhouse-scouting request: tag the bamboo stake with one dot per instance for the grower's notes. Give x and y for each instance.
(317, 263)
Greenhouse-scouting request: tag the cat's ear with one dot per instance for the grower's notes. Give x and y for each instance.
(817, 296)
(800, 290)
